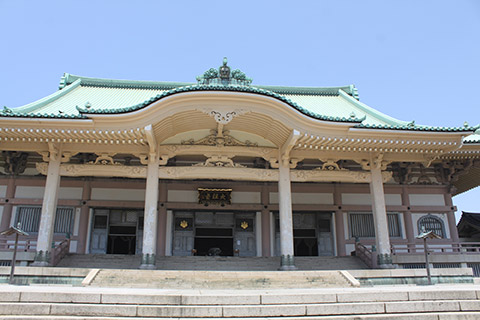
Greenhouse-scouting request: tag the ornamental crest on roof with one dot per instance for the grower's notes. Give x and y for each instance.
(224, 75)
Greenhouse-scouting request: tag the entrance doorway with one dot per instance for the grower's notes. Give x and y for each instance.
(214, 241)
(116, 231)
(312, 234)
(305, 242)
(214, 233)
(122, 240)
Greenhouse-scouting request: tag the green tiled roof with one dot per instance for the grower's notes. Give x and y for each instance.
(217, 87)
(80, 96)
(474, 138)
(418, 128)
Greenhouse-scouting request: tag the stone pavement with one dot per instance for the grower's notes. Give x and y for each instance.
(436, 302)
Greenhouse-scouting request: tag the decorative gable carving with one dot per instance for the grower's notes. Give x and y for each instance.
(219, 140)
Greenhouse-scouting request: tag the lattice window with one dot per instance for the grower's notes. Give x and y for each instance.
(362, 226)
(29, 218)
(431, 223)
(64, 220)
(413, 266)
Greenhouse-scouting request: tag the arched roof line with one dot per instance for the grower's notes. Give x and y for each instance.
(207, 101)
(228, 88)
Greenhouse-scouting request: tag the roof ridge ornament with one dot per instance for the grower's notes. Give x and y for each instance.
(224, 75)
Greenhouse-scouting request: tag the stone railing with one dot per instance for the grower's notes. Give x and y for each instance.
(451, 248)
(59, 251)
(25, 245)
(368, 256)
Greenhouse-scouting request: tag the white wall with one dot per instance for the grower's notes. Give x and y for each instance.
(305, 198)
(427, 200)
(118, 194)
(356, 199)
(246, 197)
(3, 191)
(366, 199)
(182, 196)
(25, 192)
(28, 192)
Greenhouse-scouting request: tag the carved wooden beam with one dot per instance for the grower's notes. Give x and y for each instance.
(214, 172)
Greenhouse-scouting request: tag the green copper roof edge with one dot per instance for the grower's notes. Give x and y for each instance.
(48, 99)
(417, 128)
(309, 90)
(130, 84)
(473, 138)
(234, 88)
(114, 83)
(42, 115)
(370, 110)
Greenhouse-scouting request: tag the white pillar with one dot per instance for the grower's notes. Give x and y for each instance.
(258, 233)
(49, 210)
(150, 215)
(380, 217)
(169, 233)
(272, 234)
(286, 223)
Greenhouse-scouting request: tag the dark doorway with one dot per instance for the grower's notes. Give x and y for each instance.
(305, 242)
(214, 241)
(305, 247)
(122, 240)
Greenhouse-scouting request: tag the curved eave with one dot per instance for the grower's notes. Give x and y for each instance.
(228, 88)
(350, 90)
(417, 128)
(43, 116)
(26, 110)
(69, 79)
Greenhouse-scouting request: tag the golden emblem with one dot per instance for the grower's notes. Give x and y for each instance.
(183, 224)
(244, 225)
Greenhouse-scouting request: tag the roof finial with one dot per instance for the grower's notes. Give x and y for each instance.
(224, 70)
(224, 76)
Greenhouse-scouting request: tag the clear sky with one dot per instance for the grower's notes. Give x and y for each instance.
(413, 60)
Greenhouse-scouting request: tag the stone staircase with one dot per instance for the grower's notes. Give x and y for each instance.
(239, 280)
(392, 303)
(112, 261)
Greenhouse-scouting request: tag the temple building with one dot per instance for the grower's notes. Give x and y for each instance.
(225, 167)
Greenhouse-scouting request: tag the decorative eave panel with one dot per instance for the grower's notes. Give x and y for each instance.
(219, 173)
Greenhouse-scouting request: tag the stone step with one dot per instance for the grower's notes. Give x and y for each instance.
(123, 296)
(244, 311)
(361, 303)
(107, 261)
(409, 316)
(220, 279)
(400, 316)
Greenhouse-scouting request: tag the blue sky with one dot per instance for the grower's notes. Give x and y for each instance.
(413, 60)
